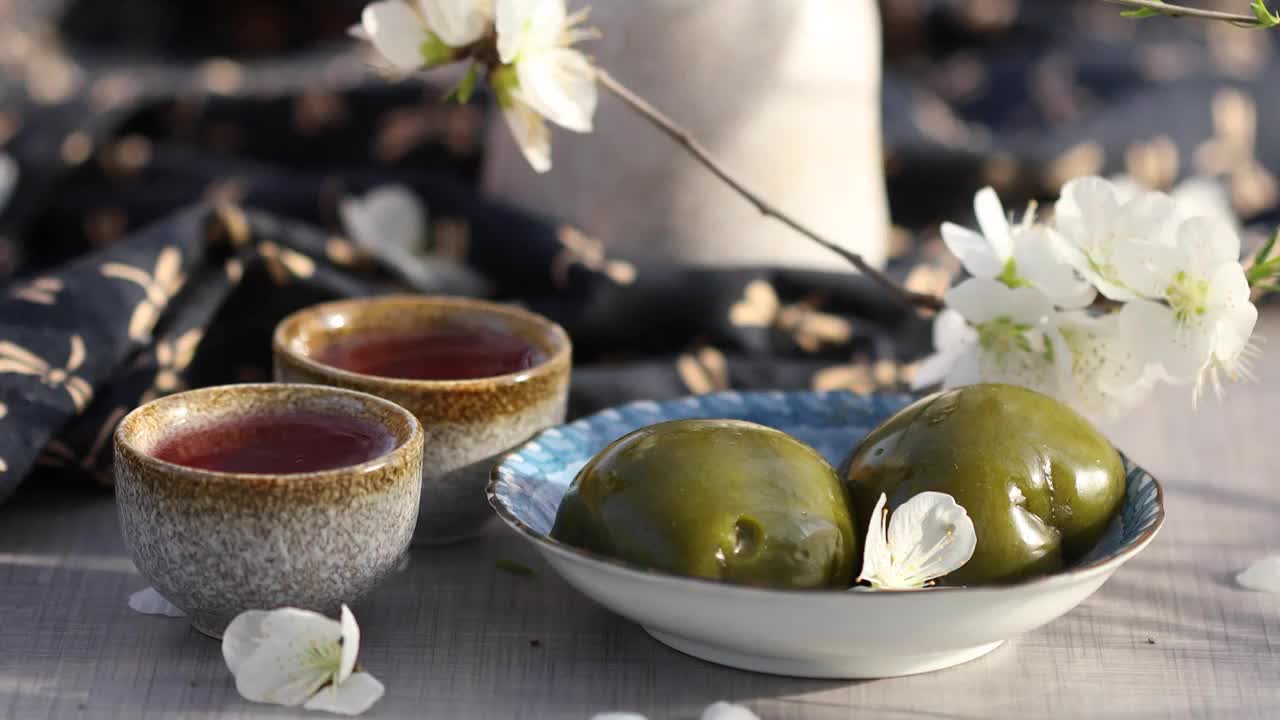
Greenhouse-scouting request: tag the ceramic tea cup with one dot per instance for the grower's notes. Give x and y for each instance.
(468, 422)
(217, 543)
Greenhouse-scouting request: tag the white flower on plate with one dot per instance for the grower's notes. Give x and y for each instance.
(149, 602)
(715, 711)
(1105, 375)
(928, 537)
(1097, 220)
(1192, 315)
(390, 217)
(991, 332)
(1019, 255)
(1263, 575)
(298, 657)
(542, 76)
(412, 34)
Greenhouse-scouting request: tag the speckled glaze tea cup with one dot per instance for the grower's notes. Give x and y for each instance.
(218, 543)
(468, 423)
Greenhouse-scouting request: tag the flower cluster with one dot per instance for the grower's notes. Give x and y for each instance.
(1123, 289)
(524, 46)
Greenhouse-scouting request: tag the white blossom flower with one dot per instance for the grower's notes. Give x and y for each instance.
(991, 332)
(1098, 220)
(1192, 315)
(298, 657)
(1020, 255)
(715, 711)
(412, 34)
(1263, 575)
(542, 77)
(928, 537)
(149, 602)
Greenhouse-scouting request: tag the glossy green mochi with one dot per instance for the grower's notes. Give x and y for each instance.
(720, 499)
(1040, 483)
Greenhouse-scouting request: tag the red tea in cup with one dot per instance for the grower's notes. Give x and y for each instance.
(292, 442)
(442, 353)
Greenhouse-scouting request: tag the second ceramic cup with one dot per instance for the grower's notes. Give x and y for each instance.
(468, 422)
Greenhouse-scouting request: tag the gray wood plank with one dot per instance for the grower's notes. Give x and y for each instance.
(452, 636)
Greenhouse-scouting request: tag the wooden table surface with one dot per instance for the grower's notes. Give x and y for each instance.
(453, 637)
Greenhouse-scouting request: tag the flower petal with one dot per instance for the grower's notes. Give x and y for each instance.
(1263, 575)
(457, 22)
(242, 637)
(966, 369)
(1180, 351)
(524, 25)
(350, 697)
(1105, 375)
(994, 223)
(951, 331)
(1149, 216)
(396, 31)
(350, 644)
(282, 656)
(531, 134)
(1085, 208)
(390, 215)
(980, 300)
(727, 711)
(1207, 243)
(149, 602)
(877, 563)
(1205, 196)
(973, 250)
(952, 337)
(1040, 260)
(930, 536)
(560, 84)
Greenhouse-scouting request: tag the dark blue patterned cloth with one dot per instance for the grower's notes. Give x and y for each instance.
(181, 167)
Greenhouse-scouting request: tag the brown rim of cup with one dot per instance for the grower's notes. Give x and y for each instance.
(557, 358)
(404, 445)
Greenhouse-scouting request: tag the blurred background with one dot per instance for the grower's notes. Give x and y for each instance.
(180, 175)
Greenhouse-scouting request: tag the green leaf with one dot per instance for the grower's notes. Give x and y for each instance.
(465, 88)
(1143, 12)
(504, 82)
(1264, 252)
(1266, 18)
(515, 568)
(435, 51)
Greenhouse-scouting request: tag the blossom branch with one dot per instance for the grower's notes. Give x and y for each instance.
(1262, 17)
(700, 153)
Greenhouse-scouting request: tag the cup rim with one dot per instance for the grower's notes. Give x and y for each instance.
(125, 444)
(551, 364)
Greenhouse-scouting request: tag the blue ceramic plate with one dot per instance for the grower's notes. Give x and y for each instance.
(808, 633)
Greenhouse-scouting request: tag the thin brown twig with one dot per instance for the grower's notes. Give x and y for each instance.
(682, 137)
(1184, 11)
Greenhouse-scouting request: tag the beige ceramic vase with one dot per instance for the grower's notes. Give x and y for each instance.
(786, 93)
